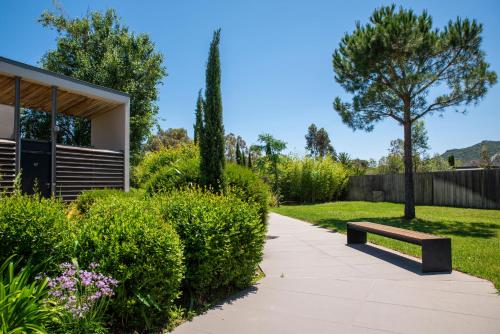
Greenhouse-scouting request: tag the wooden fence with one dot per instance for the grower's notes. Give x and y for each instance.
(466, 188)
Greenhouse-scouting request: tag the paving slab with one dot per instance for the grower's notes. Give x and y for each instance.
(315, 283)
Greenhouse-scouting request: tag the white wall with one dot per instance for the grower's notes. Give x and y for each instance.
(110, 131)
(6, 122)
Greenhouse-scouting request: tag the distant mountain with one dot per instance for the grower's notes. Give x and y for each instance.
(473, 153)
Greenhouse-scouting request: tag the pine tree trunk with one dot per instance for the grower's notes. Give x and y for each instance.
(409, 187)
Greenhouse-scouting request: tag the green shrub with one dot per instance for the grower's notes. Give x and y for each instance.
(176, 168)
(154, 161)
(179, 174)
(35, 229)
(312, 180)
(23, 308)
(128, 239)
(87, 198)
(248, 187)
(223, 240)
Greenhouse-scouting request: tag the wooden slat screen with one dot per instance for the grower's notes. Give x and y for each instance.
(79, 169)
(7, 165)
(459, 188)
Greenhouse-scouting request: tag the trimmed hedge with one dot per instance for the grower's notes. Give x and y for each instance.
(248, 187)
(35, 229)
(223, 240)
(128, 239)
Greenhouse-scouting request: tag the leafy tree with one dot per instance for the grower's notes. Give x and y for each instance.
(485, 161)
(198, 126)
(312, 132)
(451, 160)
(420, 146)
(172, 137)
(36, 125)
(323, 143)
(393, 63)
(272, 148)
(318, 142)
(231, 141)
(212, 140)
(97, 48)
(344, 159)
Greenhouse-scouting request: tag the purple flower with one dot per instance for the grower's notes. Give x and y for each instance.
(78, 290)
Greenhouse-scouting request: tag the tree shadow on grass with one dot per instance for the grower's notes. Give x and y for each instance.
(450, 228)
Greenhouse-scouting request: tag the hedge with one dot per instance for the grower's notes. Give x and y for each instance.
(35, 229)
(131, 243)
(223, 240)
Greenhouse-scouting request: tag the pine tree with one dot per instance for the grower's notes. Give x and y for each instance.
(238, 154)
(212, 139)
(198, 126)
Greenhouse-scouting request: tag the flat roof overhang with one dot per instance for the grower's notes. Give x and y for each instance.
(75, 97)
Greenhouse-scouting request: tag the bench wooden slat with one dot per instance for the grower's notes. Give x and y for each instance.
(436, 251)
(393, 232)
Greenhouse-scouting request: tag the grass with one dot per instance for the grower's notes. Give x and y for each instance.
(475, 233)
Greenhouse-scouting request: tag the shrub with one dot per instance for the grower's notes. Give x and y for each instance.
(223, 240)
(22, 301)
(87, 198)
(248, 187)
(181, 169)
(179, 174)
(312, 180)
(154, 161)
(35, 229)
(127, 238)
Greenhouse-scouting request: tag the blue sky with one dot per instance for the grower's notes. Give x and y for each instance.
(276, 63)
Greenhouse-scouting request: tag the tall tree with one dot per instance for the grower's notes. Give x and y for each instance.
(212, 139)
(239, 159)
(451, 161)
(323, 143)
(312, 132)
(392, 64)
(485, 161)
(272, 148)
(173, 137)
(249, 160)
(318, 142)
(198, 125)
(98, 48)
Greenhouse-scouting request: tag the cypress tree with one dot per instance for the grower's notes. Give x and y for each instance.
(243, 159)
(212, 139)
(249, 160)
(198, 125)
(238, 154)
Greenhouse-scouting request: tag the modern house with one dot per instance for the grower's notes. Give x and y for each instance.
(61, 170)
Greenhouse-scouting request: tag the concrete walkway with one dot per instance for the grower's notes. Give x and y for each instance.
(316, 284)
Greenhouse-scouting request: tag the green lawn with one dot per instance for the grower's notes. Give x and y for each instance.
(475, 233)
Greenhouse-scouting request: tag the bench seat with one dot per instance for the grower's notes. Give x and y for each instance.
(436, 251)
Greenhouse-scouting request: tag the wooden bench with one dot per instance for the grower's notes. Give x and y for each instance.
(436, 251)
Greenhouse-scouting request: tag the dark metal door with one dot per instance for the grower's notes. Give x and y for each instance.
(35, 165)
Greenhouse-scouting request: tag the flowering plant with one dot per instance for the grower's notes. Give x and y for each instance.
(82, 296)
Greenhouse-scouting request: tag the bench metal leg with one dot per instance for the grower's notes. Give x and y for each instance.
(355, 237)
(436, 255)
